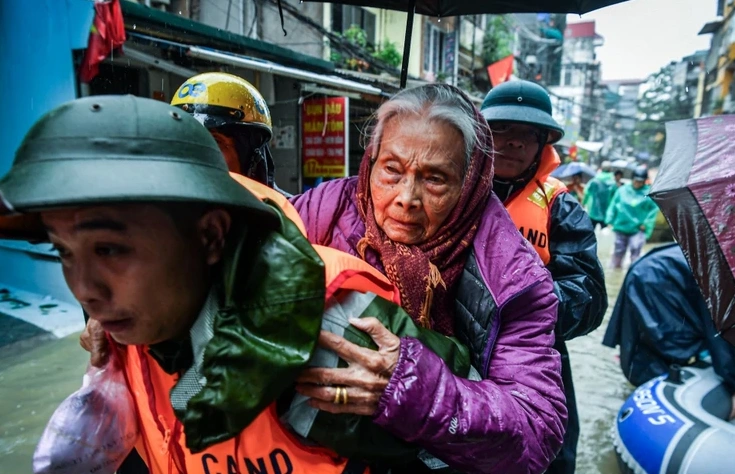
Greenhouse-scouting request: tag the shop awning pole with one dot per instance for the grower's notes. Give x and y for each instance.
(273, 68)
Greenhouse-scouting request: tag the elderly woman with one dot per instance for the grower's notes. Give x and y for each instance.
(421, 210)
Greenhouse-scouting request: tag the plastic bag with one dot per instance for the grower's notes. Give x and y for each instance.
(93, 430)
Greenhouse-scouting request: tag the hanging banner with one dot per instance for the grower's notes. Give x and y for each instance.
(500, 71)
(325, 137)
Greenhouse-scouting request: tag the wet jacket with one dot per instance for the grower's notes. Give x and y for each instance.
(630, 208)
(579, 279)
(598, 195)
(660, 318)
(513, 420)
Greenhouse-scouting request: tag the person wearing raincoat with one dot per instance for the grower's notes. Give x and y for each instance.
(660, 318)
(598, 195)
(237, 116)
(632, 216)
(553, 221)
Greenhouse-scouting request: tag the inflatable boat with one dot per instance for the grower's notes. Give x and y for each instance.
(677, 424)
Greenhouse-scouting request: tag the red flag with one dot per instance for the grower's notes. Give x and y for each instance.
(107, 34)
(500, 71)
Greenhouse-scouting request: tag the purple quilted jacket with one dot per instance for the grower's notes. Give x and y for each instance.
(513, 421)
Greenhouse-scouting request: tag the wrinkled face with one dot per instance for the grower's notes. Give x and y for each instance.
(417, 177)
(134, 270)
(227, 147)
(516, 146)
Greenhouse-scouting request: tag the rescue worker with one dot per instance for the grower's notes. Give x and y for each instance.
(598, 195)
(632, 216)
(171, 256)
(238, 118)
(554, 222)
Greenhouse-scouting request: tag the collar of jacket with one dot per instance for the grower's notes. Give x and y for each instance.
(262, 336)
(547, 161)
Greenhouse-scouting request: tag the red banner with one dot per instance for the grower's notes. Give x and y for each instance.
(106, 34)
(325, 137)
(500, 71)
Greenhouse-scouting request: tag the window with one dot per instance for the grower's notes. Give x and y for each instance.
(567, 77)
(344, 16)
(433, 49)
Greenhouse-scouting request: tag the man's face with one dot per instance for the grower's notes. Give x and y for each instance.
(516, 146)
(638, 183)
(133, 269)
(229, 151)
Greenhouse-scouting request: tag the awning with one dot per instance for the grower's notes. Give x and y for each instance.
(278, 69)
(156, 62)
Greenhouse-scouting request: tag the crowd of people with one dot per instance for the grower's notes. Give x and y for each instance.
(211, 286)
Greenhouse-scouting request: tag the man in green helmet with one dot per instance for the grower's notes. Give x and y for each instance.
(554, 222)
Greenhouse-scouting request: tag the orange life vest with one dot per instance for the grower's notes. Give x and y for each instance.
(265, 446)
(530, 208)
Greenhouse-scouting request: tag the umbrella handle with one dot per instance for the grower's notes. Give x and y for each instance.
(407, 42)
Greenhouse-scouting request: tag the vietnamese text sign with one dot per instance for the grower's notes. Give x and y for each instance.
(325, 137)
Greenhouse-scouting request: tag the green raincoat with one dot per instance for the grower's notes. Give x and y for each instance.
(630, 208)
(600, 191)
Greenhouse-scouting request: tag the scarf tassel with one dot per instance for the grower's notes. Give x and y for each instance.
(434, 279)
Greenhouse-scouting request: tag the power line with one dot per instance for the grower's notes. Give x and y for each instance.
(335, 39)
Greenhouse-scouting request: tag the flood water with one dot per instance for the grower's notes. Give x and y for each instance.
(34, 380)
(599, 383)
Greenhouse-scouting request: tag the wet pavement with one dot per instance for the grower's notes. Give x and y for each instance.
(36, 377)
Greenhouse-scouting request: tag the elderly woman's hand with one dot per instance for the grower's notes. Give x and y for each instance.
(357, 388)
(94, 341)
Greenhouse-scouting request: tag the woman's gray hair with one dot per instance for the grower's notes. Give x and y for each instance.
(436, 103)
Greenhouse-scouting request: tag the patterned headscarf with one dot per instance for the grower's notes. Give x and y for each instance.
(426, 273)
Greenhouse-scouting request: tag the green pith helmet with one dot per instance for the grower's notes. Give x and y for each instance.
(112, 149)
(523, 102)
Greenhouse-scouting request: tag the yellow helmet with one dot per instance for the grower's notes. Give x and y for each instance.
(217, 99)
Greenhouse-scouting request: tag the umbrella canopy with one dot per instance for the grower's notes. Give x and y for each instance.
(445, 8)
(570, 169)
(695, 189)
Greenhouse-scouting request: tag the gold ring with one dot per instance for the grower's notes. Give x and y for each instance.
(340, 396)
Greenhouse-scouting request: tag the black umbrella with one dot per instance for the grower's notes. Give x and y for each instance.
(446, 8)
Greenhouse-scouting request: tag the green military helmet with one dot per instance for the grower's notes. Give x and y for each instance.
(523, 102)
(112, 149)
